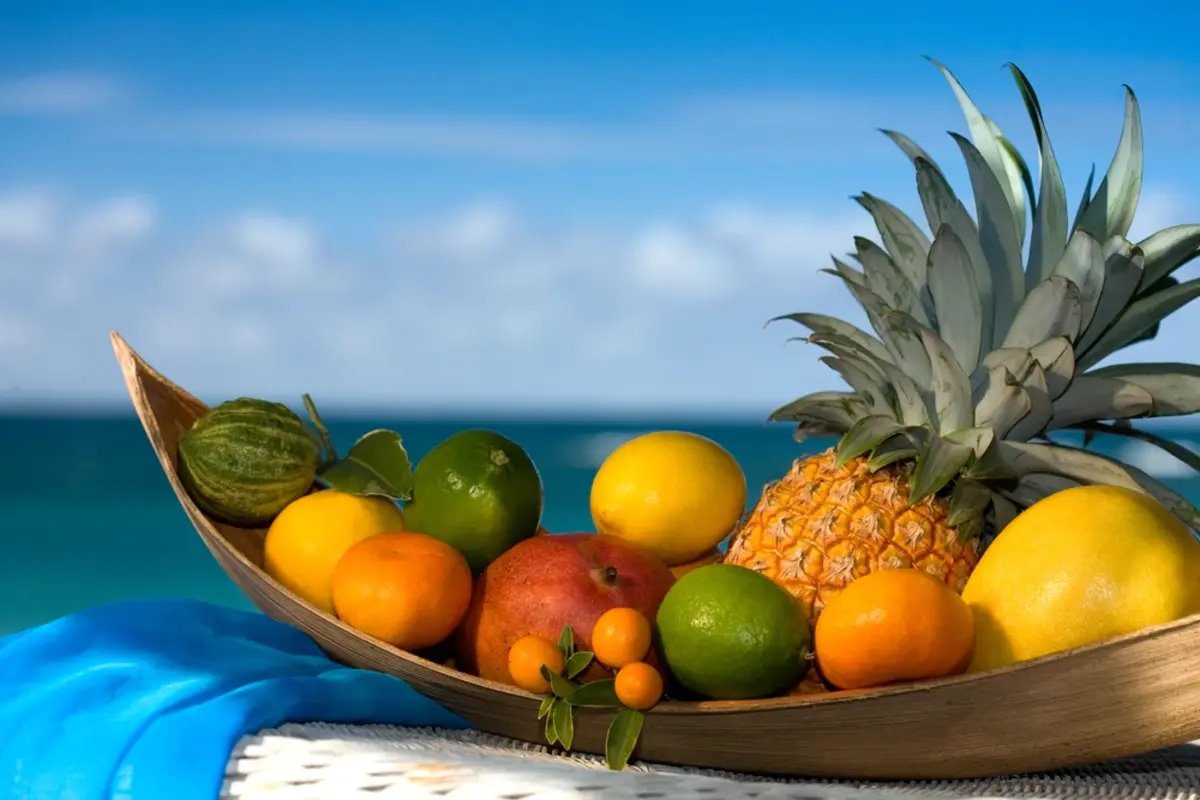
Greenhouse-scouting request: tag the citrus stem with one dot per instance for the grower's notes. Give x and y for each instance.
(330, 454)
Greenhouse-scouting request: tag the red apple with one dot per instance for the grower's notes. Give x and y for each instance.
(545, 582)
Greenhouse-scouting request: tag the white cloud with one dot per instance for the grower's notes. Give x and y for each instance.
(62, 93)
(482, 307)
(28, 218)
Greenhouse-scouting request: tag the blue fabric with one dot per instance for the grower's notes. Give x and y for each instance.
(145, 700)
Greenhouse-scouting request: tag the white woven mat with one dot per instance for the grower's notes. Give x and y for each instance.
(307, 762)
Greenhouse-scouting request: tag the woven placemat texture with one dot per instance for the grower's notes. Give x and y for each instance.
(306, 762)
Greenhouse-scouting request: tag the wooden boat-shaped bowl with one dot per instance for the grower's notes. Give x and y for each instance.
(1118, 698)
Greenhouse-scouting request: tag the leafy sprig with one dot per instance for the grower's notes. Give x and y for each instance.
(566, 695)
(377, 464)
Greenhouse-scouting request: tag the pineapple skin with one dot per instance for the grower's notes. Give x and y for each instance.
(820, 527)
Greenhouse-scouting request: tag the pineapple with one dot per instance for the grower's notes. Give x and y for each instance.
(976, 360)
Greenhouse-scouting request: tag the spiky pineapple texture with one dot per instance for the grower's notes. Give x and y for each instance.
(977, 354)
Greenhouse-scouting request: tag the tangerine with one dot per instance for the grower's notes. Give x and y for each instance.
(621, 636)
(407, 589)
(308, 538)
(526, 658)
(638, 685)
(893, 625)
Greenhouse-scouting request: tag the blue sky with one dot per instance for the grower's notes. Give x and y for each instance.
(577, 207)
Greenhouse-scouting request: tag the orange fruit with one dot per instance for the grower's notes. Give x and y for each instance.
(526, 658)
(407, 589)
(638, 685)
(893, 625)
(308, 538)
(621, 636)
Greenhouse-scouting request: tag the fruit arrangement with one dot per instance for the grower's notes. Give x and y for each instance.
(949, 529)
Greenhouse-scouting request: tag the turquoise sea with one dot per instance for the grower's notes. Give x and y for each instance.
(87, 517)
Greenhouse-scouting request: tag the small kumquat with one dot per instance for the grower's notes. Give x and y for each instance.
(638, 685)
(621, 636)
(526, 658)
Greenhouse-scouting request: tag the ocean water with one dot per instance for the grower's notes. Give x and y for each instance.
(87, 516)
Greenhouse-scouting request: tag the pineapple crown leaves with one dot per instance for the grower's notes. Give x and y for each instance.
(968, 338)
(558, 706)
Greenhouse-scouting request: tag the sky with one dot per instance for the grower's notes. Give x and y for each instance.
(568, 208)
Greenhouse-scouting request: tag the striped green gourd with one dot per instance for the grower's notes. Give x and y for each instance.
(243, 461)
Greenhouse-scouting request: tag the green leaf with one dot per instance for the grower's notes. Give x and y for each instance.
(905, 242)
(566, 642)
(1166, 251)
(1036, 486)
(942, 207)
(1017, 360)
(847, 273)
(1057, 359)
(1082, 263)
(577, 663)
(994, 214)
(866, 434)
(1184, 454)
(937, 465)
(984, 137)
(968, 502)
(903, 393)
(1123, 271)
(955, 296)
(560, 686)
(1174, 502)
(910, 148)
(901, 343)
(1094, 398)
(1067, 462)
(822, 323)
(1041, 407)
(330, 455)
(551, 728)
(869, 389)
(546, 706)
(1048, 237)
(564, 724)
(1085, 198)
(595, 694)
(951, 386)
(377, 465)
(1173, 386)
(1050, 309)
(1138, 317)
(979, 439)
(838, 410)
(887, 280)
(622, 737)
(1111, 211)
(1018, 177)
(897, 448)
(1002, 401)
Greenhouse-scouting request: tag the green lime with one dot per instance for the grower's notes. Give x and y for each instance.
(729, 633)
(477, 491)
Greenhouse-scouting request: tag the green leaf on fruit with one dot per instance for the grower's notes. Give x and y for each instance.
(551, 731)
(377, 465)
(564, 724)
(596, 694)
(547, 704)
(566, 642)
(330, 454)
(622, 737)
(560, 686)
(577, 663)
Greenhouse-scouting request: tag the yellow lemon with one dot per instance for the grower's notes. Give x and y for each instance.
(673, 493)
(1077, 567)
(310, 535)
